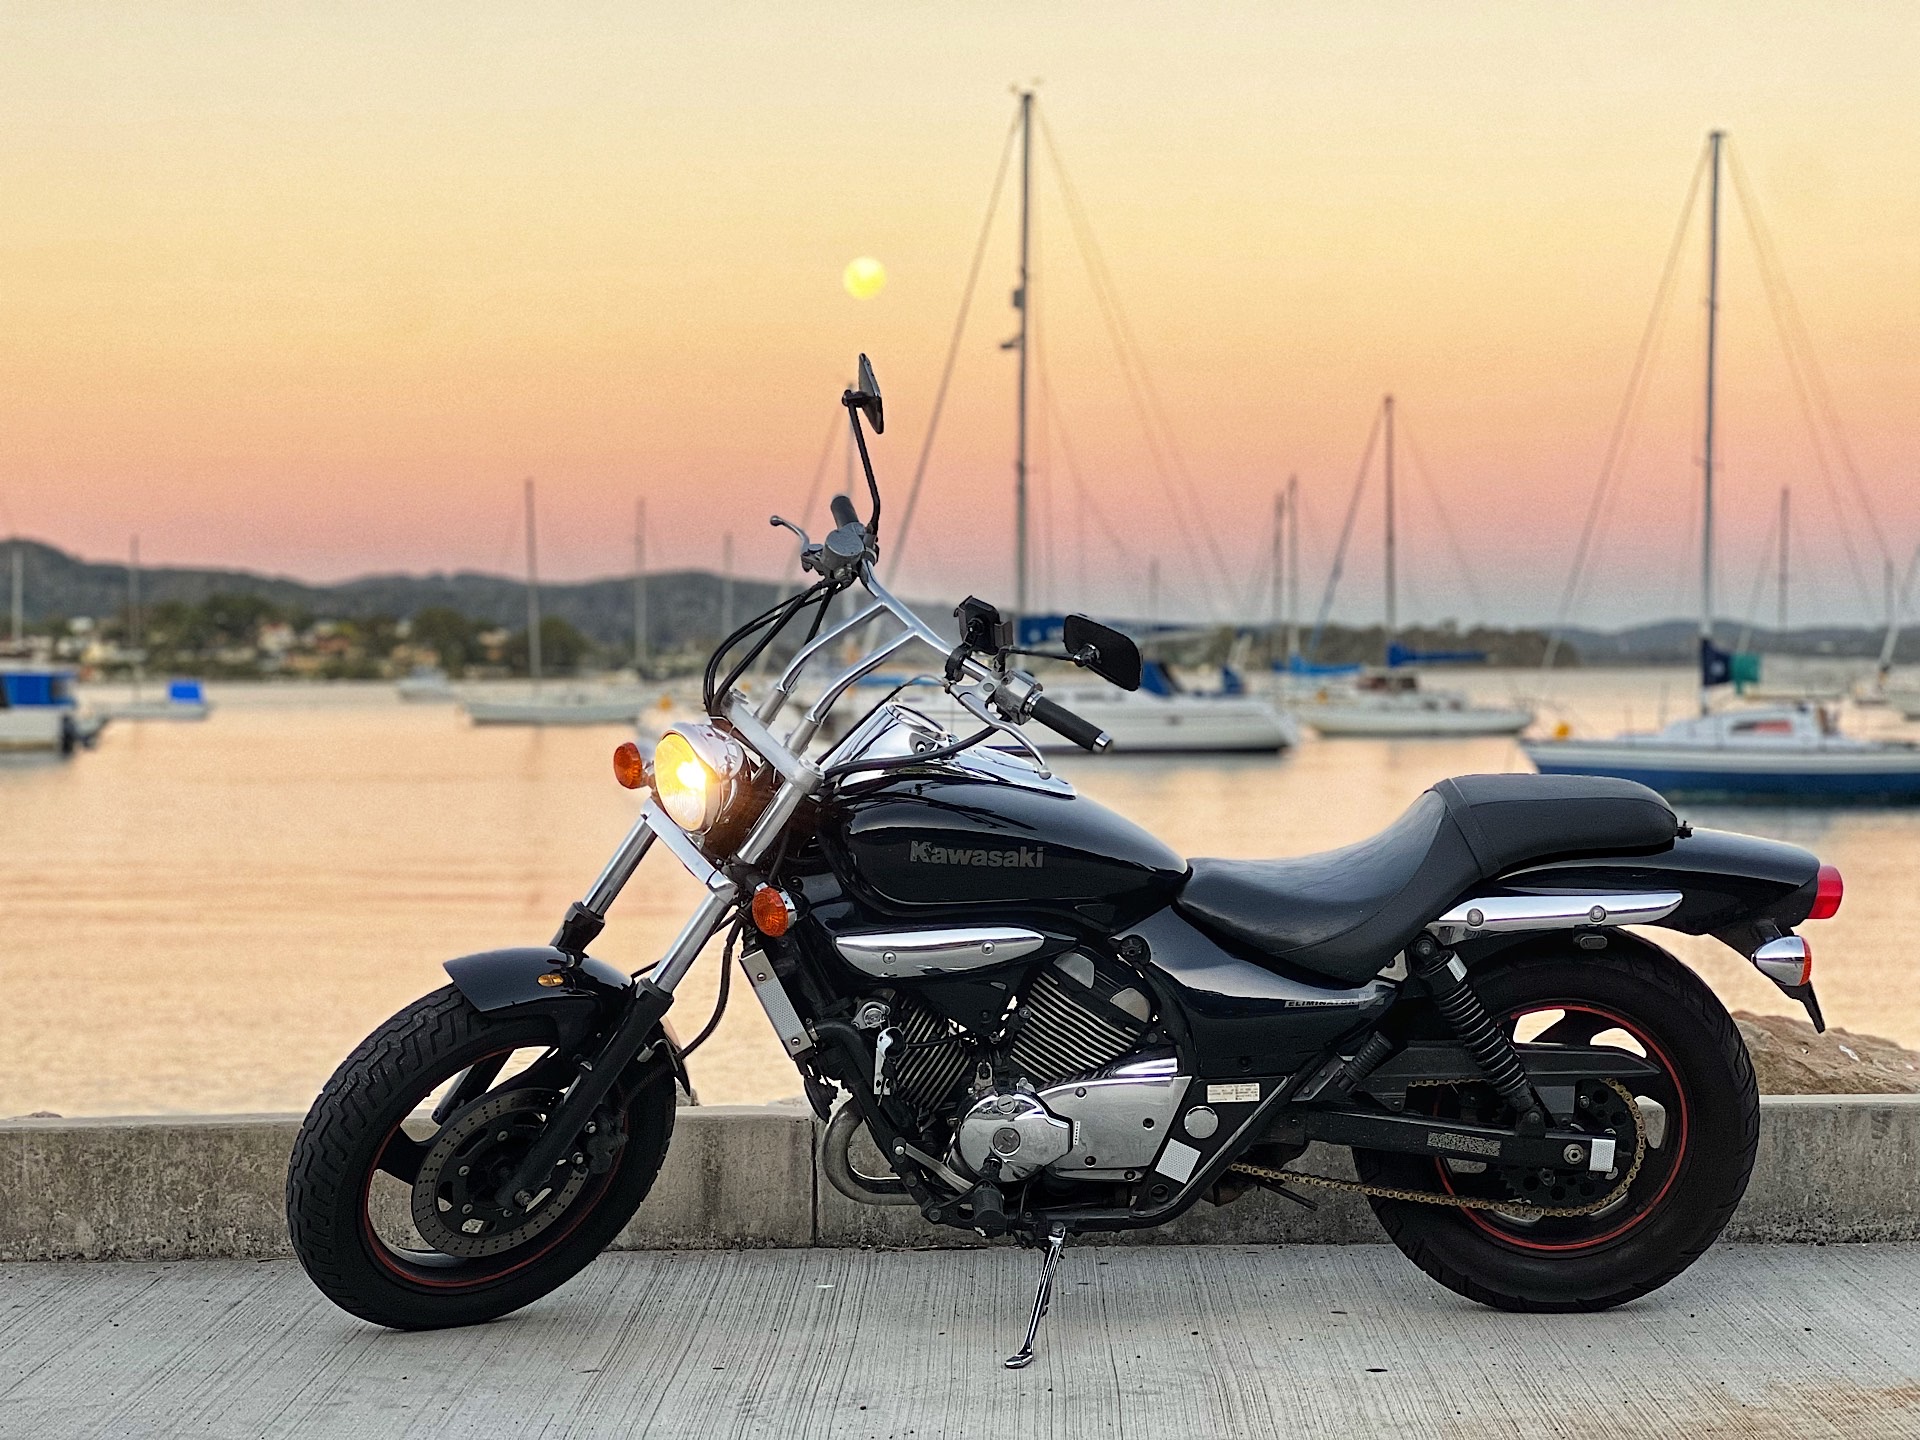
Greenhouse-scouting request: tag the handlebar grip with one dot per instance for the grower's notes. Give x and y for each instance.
(1063, 721)
(843, 513)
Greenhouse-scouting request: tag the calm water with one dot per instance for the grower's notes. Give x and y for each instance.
(207, 917)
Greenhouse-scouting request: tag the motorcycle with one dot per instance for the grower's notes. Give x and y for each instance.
(1048, 1023)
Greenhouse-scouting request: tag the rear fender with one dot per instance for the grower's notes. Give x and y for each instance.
(580, 994)
(1740, 889)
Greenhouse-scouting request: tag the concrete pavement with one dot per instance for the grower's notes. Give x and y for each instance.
(1322, 1341)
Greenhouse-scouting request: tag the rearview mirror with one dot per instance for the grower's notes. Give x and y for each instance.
(1105, 651)
(868, 397)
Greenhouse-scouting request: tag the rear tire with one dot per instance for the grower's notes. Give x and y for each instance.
(358, 1116)
(1688, 1188)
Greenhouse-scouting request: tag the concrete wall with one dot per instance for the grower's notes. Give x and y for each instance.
(1831, 1168)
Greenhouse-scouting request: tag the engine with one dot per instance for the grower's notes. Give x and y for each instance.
(1064, 1098)
(1078, 1015)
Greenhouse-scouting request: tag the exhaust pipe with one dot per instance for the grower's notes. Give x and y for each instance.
(836, 1163)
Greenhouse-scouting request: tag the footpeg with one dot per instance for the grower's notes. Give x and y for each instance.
(1055, 1243)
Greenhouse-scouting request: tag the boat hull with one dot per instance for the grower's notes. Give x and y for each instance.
(1215, 727)
(1809, 776)
(160, 710)
(538, 712)
(1366, 722)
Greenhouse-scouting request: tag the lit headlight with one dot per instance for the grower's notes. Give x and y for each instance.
(695, 774)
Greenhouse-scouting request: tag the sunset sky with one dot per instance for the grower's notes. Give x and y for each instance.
(311, 289)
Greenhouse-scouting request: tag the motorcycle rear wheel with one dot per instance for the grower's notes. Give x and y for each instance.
(1700, 1121)
(367, 1128)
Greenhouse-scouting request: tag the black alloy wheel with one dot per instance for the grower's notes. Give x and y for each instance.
(1693, 1127)
(394, 1195)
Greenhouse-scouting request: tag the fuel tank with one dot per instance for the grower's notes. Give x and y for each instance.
(956, 842)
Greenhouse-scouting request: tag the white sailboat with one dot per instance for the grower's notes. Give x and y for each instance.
(1740, 752)
(573, 706)
(184, 699)
(1391, 703)
(1158, 719)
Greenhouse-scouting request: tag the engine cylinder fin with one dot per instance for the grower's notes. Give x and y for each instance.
(1069, 1024)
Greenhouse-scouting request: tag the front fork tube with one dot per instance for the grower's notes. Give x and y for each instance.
(651, 997)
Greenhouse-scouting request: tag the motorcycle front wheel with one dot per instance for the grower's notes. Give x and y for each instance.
(392, 1193)
(1693, 1128)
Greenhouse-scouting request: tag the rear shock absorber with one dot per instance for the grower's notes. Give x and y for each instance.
(1446, 976)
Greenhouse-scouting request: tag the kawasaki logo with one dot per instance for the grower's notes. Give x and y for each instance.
(922, 853)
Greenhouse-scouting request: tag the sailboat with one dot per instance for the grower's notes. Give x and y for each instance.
(1162, 717)
(38, 709)
(1743, 752)
(1390, 702)
(564, 707)
(184, 699)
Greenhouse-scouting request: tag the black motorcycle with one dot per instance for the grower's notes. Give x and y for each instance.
(1048, 1023)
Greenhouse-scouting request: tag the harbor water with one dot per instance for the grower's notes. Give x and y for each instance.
(207, 917)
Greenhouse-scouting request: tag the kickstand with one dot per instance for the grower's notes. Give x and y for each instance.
(1056, 1242)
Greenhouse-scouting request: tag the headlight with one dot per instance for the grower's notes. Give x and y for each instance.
(695, 775)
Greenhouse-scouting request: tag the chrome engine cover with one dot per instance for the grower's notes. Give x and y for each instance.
(1110, 1128)
(1018, 1129)
(1120, 1120)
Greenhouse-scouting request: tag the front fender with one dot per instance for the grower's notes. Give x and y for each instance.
(579, 993)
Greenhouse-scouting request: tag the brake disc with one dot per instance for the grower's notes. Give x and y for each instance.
(469, 1160)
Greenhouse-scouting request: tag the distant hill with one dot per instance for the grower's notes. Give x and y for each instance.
(685, 610)
(683, 607)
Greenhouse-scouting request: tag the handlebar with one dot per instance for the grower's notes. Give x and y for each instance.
(1064, 722)
(843, 511)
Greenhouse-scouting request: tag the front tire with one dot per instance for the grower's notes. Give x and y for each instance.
(350, 1185)
(1704, 1114)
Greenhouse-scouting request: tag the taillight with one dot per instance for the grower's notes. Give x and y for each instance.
(1826, 895)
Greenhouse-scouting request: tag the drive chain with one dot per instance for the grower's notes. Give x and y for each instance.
(1468, 1202)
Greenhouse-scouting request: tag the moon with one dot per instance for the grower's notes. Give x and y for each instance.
(864, 278)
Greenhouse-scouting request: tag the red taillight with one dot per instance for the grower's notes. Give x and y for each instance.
(1826, 895)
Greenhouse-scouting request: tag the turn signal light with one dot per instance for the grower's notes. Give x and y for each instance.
(629, 766)
(772, 912)
(1788, 961)
(1826, 895)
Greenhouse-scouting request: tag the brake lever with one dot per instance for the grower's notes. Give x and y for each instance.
(809, 549)
(974, 703)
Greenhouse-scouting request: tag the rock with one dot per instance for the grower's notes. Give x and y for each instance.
(1790, 1059)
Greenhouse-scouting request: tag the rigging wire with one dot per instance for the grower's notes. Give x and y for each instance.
(1089, 504)
(1346, 533)
(1809, 383)
(1474, 595)
(899, 543)
(1141, 391)
(1760, 573)
(834, 432)
(1619, 441)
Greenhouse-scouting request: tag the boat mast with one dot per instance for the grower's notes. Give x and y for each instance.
(19, 593)
(134, 623)
(1392, 609)
(1706, 455)
(533, 596)
(639, 587)
(1293, 569)
(1781, 618)
(1020, 298)
(1274, 605)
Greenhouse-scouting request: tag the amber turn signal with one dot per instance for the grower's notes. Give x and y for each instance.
(772, 912)
(629, 766)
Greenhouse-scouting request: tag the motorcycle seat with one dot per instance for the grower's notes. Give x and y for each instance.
(1346, 913)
